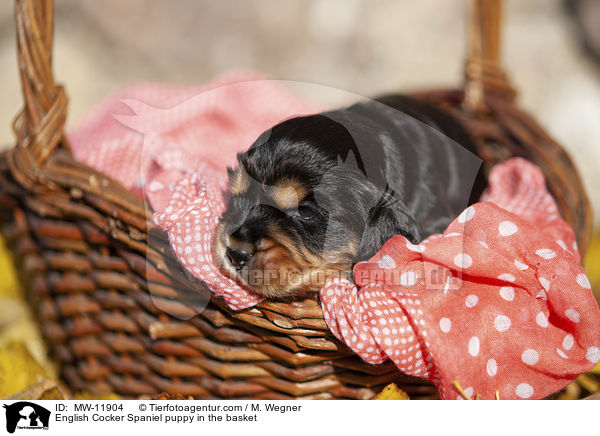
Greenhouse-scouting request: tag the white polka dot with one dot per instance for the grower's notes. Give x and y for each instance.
(530, 357)
(568, 342)
(507, 228)
(417, 248)
(474, 346)
(561, 353)
(572, 314)
(445, 325)
(593, 354)
(469, 391)
(521, 265)
(542, 294)
(471, 301)
(409, 278)
(507, 277)
(583, 281)
(545, 283)
(541, 320)
(492, 367)
(463, 260)
(386, 262)
(546, 253)
(467, 215)
(507, 293)
(562, 244)
(502, 323)
(483, 244)
(524, 390)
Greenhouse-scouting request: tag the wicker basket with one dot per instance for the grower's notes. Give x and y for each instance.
(82, 244)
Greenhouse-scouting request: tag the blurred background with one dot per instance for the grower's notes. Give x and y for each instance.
(363, 46)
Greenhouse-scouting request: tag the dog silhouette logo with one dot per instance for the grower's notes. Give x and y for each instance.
(26, 415)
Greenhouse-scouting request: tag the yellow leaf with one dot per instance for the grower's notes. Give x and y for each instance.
(391, 392)
(596, 369)
(18, 369)
(52, 394)
(9, 284)
(45, 389)
(592, 264)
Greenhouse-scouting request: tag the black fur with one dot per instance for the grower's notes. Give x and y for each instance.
(372, 171)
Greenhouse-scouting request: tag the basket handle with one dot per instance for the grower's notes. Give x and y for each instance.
(484, 74)
(38, 127)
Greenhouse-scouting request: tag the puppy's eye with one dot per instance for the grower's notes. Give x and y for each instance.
(306, 213)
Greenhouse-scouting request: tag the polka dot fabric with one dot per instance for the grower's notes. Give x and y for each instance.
(190, 219)
(498, 303)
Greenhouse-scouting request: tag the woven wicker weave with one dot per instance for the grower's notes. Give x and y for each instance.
(82, 242)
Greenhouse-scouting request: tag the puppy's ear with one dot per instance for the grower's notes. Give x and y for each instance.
(383, 222)
(239, 180)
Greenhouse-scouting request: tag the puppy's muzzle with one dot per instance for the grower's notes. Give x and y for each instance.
(239, 256)
(240, 247)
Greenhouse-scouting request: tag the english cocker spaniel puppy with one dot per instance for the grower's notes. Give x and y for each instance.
(316, 194)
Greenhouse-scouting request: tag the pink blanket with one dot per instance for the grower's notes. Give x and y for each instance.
(497, 306)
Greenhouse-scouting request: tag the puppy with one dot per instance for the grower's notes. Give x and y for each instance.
(316, 194)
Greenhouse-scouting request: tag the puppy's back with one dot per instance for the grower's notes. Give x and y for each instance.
(432, 161)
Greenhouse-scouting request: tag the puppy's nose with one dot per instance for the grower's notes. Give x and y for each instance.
(238, 256)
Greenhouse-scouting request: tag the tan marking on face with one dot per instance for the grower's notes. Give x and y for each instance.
(287, 194)
(239, 182)
(282, 267)
(219, 248)
(264, 244)
(289, 268)
(239, 245)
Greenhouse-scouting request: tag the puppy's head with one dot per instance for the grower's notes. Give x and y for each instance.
(300, 209)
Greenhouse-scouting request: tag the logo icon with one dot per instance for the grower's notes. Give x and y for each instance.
(26, 415)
